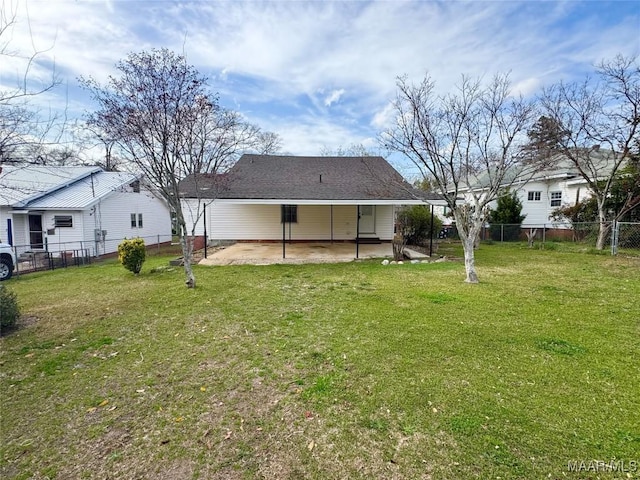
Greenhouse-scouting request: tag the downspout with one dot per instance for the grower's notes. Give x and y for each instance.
(283, 232)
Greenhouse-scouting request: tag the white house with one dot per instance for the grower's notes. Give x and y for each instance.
(278, 198)
(84, 209)
(541, 193)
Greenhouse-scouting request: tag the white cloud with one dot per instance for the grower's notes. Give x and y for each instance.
(333, 97)
(384, 117)
(527, 87)
(277, 53)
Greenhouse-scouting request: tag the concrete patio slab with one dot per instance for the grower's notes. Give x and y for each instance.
(314, 252)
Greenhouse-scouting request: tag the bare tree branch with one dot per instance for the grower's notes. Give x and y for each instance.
(465, 143)
(168, 125)
(600, 121)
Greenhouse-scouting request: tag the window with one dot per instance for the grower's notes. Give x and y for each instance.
(366, 210)
(556, 199)
(289, 214)
(136, 220)
(63, 221)
(534, 196)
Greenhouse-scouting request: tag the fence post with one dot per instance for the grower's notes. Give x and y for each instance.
(158, 244)
(614, 237)
(15, 252)
(502, 233)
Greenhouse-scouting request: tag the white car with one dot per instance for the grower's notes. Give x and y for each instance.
(7, 261)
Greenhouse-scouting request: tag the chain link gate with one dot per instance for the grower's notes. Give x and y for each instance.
(625, 235)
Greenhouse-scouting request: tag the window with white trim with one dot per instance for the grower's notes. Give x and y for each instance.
(136, 220)
(63, 221)
(556, 199)
(534, 196)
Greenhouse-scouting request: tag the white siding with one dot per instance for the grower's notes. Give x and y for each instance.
(539, 212)
(193, 213)
(20, 230)
(64, 238)
(262, 222)
(4, 216)
(56, 239)
(114, 215)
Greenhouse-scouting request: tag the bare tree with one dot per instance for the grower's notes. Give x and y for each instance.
(22, 127)
(162, 116)
(465, 143)
(352, 150)
(89, 140)
(600, 123)
(267, 143)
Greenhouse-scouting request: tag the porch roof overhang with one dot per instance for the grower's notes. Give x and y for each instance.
(308, 201)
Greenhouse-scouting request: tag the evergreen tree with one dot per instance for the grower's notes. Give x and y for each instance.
(507, 217)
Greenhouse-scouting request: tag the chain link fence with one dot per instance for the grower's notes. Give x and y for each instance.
(54, 255)
(619, 236)
(585, 233)
(625, 238)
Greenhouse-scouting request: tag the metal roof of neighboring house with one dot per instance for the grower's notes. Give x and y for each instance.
(21, 183)
(321, 179)
(64, 188)
(83, 193)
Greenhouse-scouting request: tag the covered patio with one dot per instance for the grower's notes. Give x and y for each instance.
(267, 253)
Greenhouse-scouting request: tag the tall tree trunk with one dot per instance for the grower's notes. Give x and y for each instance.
(187, 250)
(468, 245)
(468, 235)
(603, 228)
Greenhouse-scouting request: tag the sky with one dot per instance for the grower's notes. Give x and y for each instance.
(321, 74)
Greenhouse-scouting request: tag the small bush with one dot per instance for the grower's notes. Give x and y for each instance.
(414, 224)
(9, 310)
(132, 254)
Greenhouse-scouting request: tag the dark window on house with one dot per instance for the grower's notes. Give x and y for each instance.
(289, 214)
(63, 221)
(534, 196)
(136, 220)
(136, 186)
(556, 199)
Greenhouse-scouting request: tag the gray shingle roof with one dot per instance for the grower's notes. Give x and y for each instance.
(305, 178)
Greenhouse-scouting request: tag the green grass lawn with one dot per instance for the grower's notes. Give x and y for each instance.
(327, 371)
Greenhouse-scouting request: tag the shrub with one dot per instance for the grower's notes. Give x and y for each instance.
(9, 310)
(506, 218)
(414, 224)
(508, 209)
(132, 254)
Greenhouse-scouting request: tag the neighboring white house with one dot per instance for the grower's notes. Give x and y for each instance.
(558, 185)
(56, 209)
(277, 198)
